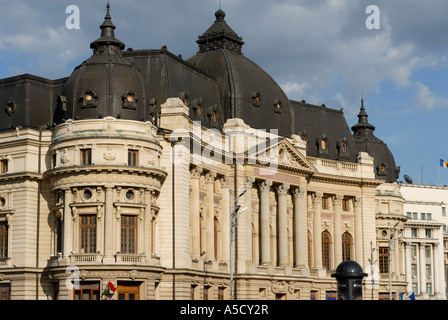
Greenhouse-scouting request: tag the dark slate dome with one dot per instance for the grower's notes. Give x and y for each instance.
(349, 268)
(246, 90)
(106, 84)
(385, 168)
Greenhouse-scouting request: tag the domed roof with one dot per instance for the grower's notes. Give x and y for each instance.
(384, 161)
(349, 268)
(106, 84)
(246, 90)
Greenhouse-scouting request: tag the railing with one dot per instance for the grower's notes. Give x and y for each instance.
(85, 258)
(129, 258)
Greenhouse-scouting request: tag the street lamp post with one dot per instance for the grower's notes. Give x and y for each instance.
(391, 240)
(234, 213)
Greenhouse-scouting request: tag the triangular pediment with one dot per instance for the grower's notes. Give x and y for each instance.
(285, 156)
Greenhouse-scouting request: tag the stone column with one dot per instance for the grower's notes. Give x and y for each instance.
(109, 227)
(282, 191)
(358, 230)
(265, 187)
(337, 206)
(438, 277)
(68, 225)
(408, 271)
(225, 218)
(300, 228)
(195, 212)
(147, 229)
(317, 232)
(248, 182)
(210, 215)
(422, 264)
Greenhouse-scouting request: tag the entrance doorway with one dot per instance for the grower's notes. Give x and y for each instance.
(128, 290)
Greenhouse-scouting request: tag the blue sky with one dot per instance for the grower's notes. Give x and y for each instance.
(317, 50)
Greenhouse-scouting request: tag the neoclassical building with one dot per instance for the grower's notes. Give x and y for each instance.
(146, 176)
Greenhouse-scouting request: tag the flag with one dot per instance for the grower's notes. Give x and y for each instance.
(412, 296)
(443, 163)
(111, 286)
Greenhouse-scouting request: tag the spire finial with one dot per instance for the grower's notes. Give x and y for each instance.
(107, 33)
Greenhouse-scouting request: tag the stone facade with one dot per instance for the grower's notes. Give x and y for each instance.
(303, 216)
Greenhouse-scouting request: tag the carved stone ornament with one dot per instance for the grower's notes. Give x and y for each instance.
(65, 157)
(280, 287)
(109, 154)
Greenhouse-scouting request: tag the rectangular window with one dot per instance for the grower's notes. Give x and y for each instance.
(132, 158)
(87, 231)
(443, 211)
(428, 271)
(383, 258)
(414, 271)
(414, 232)
(429, 216)
(422, 216)
(5, 290)
(409, 215)
(325, 203)
(87, 291)
(3, 240)
(428, 288)
(345, 205)
(129, 234)
(3, 166)
(220, 293)
(427, 251)
(414, 215)
(86, 157)
(428, 233)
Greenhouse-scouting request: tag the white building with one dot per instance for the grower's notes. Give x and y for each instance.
(425, 237)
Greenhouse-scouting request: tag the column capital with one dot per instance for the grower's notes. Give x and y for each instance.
(282, 188)
(337, 198)
(225, 182)
(299, 191)
(317, 196)
(210, 177)
(196, 173)
(265, 185)
(248, 181)
(357, 201)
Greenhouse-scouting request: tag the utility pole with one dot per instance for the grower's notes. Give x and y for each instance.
(234, 213)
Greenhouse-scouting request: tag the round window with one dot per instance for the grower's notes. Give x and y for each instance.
(87, 194)
(130, 98)
(323, 144)
(344, 147)
(130, 195)
(89, 97)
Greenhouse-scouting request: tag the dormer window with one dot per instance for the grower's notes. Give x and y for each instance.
(342, 147)
(197, 108)
(278, 106)
(10, 107)
(256, 99)
(322, 145)
(89, 99)
(129, 100)
(382, 169)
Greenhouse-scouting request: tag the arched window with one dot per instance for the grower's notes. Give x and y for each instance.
(326, 241)
(346, 246)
